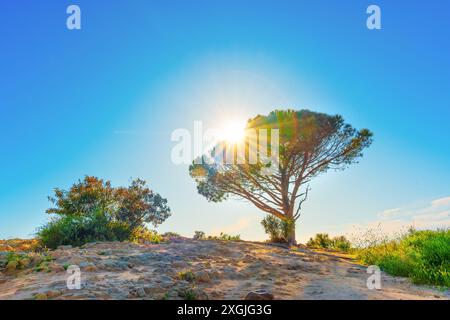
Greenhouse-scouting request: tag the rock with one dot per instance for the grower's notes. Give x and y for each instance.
(295, 266)
(53, 293)
(140, 292)
(64, 247)
(260, 294)
(56, 267)
(151, 290)
(90, 268)
(164, 281)
(77, 261)
(179, 264)
(114, 265)
(202, 276)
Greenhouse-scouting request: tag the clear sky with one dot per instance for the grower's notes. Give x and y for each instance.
(104, 100)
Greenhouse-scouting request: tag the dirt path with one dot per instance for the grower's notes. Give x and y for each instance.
(223, 270)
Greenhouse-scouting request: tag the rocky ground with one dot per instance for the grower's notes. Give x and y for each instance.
(198, 269)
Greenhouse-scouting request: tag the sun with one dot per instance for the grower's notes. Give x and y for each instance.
(233, 131)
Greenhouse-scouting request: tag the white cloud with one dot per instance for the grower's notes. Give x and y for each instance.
(431, 215)
(441, 202)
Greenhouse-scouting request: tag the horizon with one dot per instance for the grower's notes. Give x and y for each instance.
(104, 101)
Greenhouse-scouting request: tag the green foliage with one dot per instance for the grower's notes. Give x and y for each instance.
(187, 275)
(92, 210)
(189, 294)
(142, 235)
(424, 256)
(138, 205)
(225, 237)
(20, 261)
(170, 234)
(323, 240)
(277, 229)
(341, 243)
(199, 235)
(77, 230)
(135, 205)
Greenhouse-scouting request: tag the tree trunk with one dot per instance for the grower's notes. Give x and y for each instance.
(291, 236)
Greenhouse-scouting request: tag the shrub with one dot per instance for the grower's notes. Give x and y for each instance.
(186, 275)
(225, 237)
(170, 235)
(323, 240)
(199, 235)
(189, 294)
(92, 210)
(141, 235)
(277, 229)
(78, 230)
(341, 243)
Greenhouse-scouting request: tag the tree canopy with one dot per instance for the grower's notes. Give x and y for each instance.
(310, 143)
(135, 205)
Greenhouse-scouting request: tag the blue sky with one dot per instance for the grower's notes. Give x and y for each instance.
(104, 100)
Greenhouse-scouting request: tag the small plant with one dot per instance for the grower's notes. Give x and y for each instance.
(18, 260)
(189, 294)
(170, 235)
(186, 275)
(323, 240)
(141, 235)
(341, 243)
(43, 263)
(166, 296)
(277, 229)
(199, 235)
(225, 237)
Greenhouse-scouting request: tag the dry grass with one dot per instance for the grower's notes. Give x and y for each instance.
(18, 245)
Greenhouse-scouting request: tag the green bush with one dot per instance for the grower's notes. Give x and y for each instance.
(199, 235)
(78, 230)
(141, 235)
(92, 210)
(171, 234)
(424, 256)
(341, 243)
(186, 275)
(323, 240)
(277, 229)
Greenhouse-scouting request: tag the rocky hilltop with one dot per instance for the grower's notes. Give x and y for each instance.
(198, 269)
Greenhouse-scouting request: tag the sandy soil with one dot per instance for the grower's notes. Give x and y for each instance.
(223, 270)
